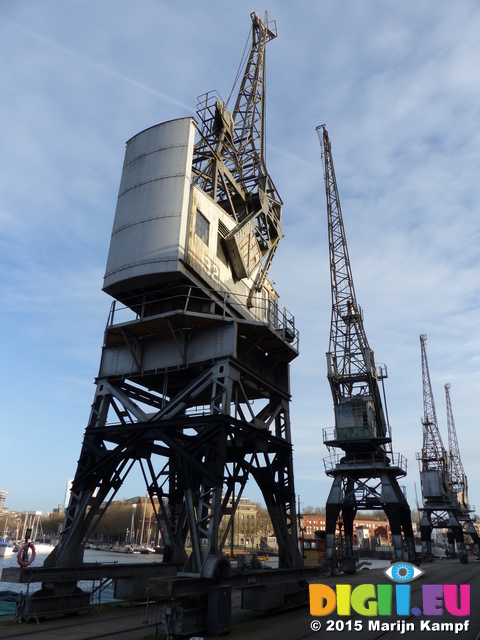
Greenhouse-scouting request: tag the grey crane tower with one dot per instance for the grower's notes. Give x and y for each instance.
(193, 385)
(365, 475)
(458, 478)
(440, 508)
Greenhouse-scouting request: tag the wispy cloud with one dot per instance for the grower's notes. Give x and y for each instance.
(67, 51)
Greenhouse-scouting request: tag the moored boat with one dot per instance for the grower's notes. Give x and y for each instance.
(6, 549)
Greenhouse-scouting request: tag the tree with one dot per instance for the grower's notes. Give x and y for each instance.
(264, 522)
(52, 524)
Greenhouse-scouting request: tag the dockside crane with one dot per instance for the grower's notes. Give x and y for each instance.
(440, 509)
(365, 476)
(417, 503)
(458, 478)
(196, 226)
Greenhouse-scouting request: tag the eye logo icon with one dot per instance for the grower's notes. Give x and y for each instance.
(403, 572)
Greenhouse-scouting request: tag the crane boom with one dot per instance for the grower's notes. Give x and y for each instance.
(457, 476)
(434, 457)
(229, 165)
(351, 367)
(249, 111)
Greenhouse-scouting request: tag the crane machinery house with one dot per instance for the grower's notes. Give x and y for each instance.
(169, 233)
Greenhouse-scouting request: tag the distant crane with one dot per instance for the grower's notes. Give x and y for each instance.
(365, 475)
(417, 503)
(457, 476)
(440, 509)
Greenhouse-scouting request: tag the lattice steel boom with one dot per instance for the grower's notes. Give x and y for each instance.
(434, 456)
(229, 163)
(457, 476)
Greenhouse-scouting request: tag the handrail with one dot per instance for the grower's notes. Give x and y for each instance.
(331, 433)
(24, 611)
(183, 297)
(358, 461)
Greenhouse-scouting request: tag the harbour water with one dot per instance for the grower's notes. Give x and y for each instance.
(91, 555)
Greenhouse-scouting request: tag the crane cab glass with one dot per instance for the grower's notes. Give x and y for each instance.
(355, 418)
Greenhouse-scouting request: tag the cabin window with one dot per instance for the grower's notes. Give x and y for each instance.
(202, 227)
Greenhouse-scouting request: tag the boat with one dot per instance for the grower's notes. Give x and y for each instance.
(6, 549)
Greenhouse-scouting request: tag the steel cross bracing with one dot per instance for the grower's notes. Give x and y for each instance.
(440, 507)
(229, 159)
(365, 475)
(203, 423)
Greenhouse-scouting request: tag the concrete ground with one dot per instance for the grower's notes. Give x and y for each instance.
(128, 622)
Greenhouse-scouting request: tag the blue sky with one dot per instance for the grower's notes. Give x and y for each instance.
(398, 85)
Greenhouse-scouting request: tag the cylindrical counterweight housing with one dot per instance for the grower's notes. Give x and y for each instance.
(150, 227)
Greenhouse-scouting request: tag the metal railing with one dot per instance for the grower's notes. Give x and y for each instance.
(332, 433)
(87, 597)
(363, 461)
(203, 300)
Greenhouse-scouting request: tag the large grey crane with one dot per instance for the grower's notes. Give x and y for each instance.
(194, 387)
(366, 475)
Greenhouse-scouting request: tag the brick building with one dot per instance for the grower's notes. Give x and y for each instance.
(368, 528)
